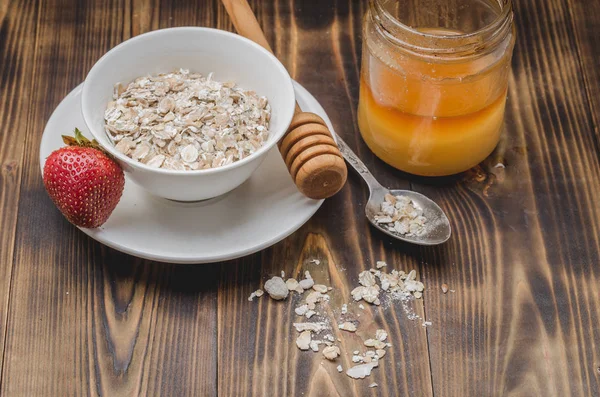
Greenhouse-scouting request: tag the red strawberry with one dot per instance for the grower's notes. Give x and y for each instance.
(83, 181)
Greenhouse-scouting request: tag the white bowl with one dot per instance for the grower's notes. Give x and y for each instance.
(229, 57)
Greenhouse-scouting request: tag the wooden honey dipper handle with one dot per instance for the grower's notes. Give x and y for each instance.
(308, 148)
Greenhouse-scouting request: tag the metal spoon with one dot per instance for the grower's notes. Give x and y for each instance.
(437, 228)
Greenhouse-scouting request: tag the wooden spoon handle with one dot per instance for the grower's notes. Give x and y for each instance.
(245, 22)
(311, 155)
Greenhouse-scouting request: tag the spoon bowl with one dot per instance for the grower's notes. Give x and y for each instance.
(437, 227)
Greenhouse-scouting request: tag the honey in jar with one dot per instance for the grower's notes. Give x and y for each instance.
(432, 97)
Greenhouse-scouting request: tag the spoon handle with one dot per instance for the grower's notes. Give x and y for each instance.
(358, 165)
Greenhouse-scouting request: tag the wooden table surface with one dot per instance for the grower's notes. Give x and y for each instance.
(78, 318)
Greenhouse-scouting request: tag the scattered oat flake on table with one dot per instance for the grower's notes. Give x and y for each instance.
(366, 279)
(291, 284)
(307, 283)
(381, 264)
(357, 293)
(301, 310)
(315, 261)
(413, 286)
(315, 297)
(374, 343)
(362, 370)
(444, 288)
(276, 288)
(256, 294)
(303, 340)
(314, 345)
(373, 284)
(393, 286)
(369, 294)
(381, 335)
(373, 385)
(331, 352)
(313, 327)
(347, 326)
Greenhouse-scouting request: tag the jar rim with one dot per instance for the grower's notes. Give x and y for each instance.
(443, 44)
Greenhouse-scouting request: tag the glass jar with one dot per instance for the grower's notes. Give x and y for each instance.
(434, 79)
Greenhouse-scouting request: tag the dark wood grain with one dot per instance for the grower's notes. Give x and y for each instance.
(17, 43)
(77, 318)
(585, 24)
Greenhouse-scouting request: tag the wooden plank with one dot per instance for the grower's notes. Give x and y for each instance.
(586, 25)
(523, 260)
(17, 43)
(258, 355)
(257, 352)
(524, 256)
(85, 319)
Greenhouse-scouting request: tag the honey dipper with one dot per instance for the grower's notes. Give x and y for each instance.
(308, 148)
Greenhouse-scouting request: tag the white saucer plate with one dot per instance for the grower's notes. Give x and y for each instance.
(264, 210)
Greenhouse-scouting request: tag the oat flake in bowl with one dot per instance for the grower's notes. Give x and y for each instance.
(185, 121)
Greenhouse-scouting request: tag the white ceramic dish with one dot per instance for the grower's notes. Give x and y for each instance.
(229, 57)
(262, 211)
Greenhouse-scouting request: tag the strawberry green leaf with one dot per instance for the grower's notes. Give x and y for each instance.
(80, 140)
